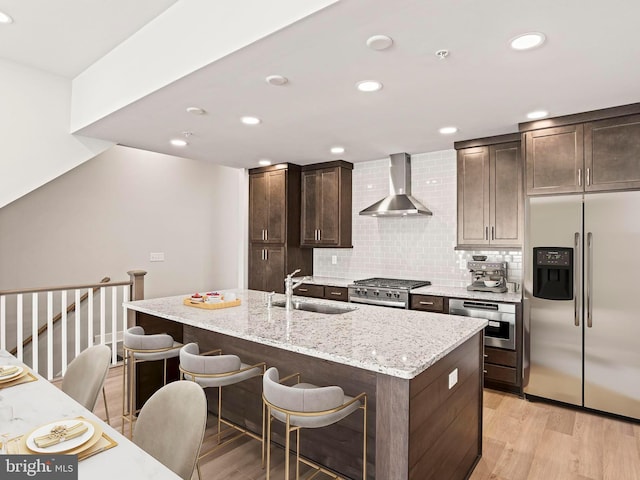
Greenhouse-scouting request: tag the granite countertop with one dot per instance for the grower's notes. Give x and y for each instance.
(328, 281)
(462, 292)
(396, 342)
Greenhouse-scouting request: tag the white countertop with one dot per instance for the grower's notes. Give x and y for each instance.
(461, 292)
(396, 342)
(38, 403)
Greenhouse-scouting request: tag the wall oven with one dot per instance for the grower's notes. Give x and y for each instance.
(501, 331)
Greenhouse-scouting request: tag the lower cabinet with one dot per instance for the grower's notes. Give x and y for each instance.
(266, 268)
(500, 366)
(340, 294)
(429, 303)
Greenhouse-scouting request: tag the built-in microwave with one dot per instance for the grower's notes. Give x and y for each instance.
(501, 331)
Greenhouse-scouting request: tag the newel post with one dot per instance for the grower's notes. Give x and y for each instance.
(137, 292)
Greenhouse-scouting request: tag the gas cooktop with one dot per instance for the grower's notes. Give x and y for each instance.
(377, 282)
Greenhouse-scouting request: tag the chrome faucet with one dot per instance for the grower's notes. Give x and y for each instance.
(289, 287)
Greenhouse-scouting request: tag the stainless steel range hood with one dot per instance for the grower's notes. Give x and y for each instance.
(399, 202)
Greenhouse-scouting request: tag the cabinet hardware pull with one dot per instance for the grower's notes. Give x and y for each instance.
(588, 177)
(303, 289)
(266, 234)
(426, 303)
(486, 356)
(486, 233)
(485, 372)
(579, 177)
(493, 232)
(319, 234)
(339, 294)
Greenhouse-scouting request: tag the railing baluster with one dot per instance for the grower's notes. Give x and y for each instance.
(34, 331)
(125, 298)
(19, 326)
(63, 339)
(90, 318)
(114, 322)
(77, 318)
(3, 322)
(49, 335)
(103, 322)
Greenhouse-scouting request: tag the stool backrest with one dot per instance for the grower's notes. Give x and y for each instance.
(300, 399)
(135, 338)
(171, 426)
(191, 361)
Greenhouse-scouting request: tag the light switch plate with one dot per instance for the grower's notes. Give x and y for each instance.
(453, 378)
(156, 257)
(334, 259)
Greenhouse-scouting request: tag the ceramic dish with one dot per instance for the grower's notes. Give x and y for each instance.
(63, 446)
(491, 283)
(11, 376)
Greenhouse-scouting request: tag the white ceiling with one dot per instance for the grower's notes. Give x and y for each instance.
(589, 61)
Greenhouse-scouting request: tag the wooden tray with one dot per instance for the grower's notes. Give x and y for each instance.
(211, 306)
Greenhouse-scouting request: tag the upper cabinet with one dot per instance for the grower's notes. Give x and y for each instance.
(326, 205)
(490, 192)
(588, 152)
(267, 202)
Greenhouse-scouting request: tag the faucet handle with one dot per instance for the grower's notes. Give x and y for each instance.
(270, 299)
(293, 273)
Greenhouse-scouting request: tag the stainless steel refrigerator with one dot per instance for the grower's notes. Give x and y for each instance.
(585, 350)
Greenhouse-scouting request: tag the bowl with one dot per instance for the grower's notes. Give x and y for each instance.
(491, 283)
(479, 258)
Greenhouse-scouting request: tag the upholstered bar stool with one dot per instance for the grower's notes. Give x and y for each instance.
(214, 370)
(138, 348)
(308, 406)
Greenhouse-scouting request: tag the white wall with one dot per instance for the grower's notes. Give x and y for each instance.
(34, 121)
(105, 216)
(420, 248)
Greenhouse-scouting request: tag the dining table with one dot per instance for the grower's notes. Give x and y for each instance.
(35, 402)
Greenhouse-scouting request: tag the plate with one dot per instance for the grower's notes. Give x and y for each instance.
(64, 446)
(15, 374)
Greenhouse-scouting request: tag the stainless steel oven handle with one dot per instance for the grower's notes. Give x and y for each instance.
(589, 264)
(384, 303)
(576, 309)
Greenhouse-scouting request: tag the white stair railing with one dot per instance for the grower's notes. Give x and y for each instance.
(70, 331)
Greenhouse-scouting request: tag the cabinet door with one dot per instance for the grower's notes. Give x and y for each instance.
(554, 158)
(274, 276)
(473, 196)
(258, 206)
(276, 204)
(328, 207)
(505, 194)
(257, 267)
(612, 154)
(309, 215)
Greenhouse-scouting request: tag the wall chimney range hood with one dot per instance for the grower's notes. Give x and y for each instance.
(399, 202)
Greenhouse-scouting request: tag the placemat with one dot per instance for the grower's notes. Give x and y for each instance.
(26, 378)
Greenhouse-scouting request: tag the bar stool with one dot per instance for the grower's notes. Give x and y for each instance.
(308, 406)
(214, 370)
(138, 347)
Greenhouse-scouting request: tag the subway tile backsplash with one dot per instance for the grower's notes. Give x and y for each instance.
(420, 248)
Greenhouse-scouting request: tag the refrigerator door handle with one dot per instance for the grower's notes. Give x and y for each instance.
(589, 265)
(576, 306)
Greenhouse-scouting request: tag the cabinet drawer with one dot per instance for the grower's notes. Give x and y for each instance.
(336, 293)
(427, 303)
(310, 290)
(500, 373)
(498, 356)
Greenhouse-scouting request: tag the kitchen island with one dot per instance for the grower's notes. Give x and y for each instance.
(422, 373)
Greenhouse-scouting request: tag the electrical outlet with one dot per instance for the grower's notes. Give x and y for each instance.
(156, 257)
(453, 378)
(334, 259)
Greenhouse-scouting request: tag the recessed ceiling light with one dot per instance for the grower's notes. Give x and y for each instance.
(196, 110)
(527, 41)
(4, 18)
(250, 120)
(537, 114)
(448, 130)
(178, 142)
(276, 80)
(379, 42)
(264, 162)
(337, 150)
(369, 86)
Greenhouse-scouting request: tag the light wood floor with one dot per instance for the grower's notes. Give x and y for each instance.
(521, 441)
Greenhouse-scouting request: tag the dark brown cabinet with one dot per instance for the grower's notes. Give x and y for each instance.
(490, 194)
(340, 294)
(274, 228)
(429, 303)
(589, 152)
(326, 205)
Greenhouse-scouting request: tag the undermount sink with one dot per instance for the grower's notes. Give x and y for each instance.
(316, 307)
